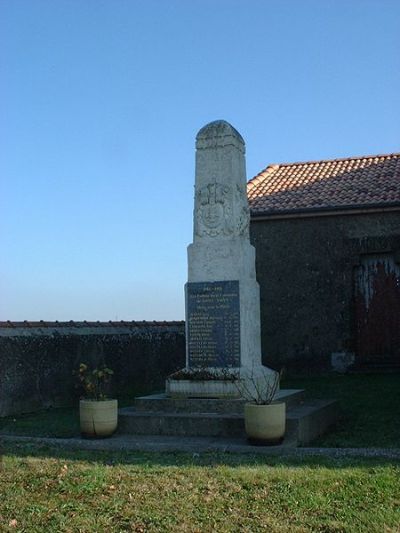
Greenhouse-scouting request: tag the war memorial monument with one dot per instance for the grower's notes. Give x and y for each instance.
(223, 366)
(222, 295)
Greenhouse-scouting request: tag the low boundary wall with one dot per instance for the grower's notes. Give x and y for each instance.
(37, 359)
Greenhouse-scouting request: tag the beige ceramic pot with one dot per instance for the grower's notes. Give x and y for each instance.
(99, 418)
(265, 424)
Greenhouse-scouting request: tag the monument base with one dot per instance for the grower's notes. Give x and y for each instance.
(205, 417)
(185, 388)
(257, 383)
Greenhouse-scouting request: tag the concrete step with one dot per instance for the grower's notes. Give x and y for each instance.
(132, 421)
(163, 403)
(311, 419)
(304, 421)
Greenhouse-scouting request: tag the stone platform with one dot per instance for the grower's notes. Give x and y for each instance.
(200, 417)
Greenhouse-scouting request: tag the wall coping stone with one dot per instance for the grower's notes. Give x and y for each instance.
(34, 328)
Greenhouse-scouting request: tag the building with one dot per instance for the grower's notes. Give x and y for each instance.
(327, 238)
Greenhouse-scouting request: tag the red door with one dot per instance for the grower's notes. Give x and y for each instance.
(377, 306)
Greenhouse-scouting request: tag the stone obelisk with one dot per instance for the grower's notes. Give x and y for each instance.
(222, 294)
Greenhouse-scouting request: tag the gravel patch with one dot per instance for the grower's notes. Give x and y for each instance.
(197, 445)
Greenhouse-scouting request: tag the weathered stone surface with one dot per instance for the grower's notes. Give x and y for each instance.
(222, 294)
(159, 415)
(305, 267)
(166, 404)
(36, 362)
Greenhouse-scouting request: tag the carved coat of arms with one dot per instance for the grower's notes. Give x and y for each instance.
(220, 210)
(213, 209)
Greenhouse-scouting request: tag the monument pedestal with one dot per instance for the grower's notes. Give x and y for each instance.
(245, 383)
(185, 388)
(161, 415)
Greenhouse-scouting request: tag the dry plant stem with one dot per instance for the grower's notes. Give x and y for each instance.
(261, 391)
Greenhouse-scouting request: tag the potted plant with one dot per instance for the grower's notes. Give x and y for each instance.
(98, 414)
(264, 417)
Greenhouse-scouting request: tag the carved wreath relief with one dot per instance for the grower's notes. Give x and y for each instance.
(214, 213)
(243, 217)
(213, 209)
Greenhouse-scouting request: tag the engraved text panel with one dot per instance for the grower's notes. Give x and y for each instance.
(213, 328)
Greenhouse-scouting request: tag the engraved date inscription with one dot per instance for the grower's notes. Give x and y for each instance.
(213, 324)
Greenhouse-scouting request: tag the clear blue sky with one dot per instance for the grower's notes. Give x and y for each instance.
(100, 104)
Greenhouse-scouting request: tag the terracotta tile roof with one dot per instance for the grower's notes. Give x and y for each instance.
(370, 181)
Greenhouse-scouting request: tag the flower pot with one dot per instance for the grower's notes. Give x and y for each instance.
(99, 418)
(265, 424)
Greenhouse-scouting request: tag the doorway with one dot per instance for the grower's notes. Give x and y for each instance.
(377, 309)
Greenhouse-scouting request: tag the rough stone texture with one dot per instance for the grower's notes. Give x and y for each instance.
(221, 249)
(305, 419)
(36, 363)
(305, 270)
(342, 361)
(163, 403)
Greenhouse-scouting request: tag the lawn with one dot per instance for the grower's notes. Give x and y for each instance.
(61, 491)
(370, 412)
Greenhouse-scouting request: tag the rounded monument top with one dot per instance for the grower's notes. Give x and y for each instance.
(217, 129)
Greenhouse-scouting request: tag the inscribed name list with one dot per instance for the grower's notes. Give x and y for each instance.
(213, 324)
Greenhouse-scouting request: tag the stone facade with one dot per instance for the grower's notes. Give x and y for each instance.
(305, 268)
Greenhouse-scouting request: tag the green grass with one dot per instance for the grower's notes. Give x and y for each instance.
(60, 491)
(54, 422)
(62, 422)
(369, 406)
(370, 409)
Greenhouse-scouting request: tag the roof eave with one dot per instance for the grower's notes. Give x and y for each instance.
(325, 211)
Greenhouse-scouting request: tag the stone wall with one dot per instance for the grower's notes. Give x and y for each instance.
(37, 359)
(305, 270)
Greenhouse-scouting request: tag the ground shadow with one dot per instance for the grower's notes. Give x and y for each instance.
(297, 458)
